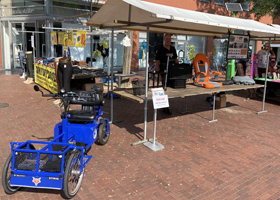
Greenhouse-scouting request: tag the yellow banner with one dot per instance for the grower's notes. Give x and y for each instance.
(70, 38)
(45, 77)
(81, 39)
(53, 38)
(65, 42)
(60, 38)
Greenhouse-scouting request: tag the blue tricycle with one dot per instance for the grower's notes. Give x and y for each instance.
(59, 164)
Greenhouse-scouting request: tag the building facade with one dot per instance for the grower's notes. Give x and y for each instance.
(26, 26)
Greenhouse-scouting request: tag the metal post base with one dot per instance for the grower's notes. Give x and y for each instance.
(142, 141)
(213, 120)
(262, 112)
(154, 146)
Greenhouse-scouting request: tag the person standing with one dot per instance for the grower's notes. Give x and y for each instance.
(263, 58)
(162, 54)
(30, 67)
(161, 60)
(21, 56)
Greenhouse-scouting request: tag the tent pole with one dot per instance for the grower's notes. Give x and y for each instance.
(265, 82)
(112, 74)
(146, 91)
(147, 83)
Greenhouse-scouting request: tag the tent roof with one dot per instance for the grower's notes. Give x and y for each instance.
(125, 14)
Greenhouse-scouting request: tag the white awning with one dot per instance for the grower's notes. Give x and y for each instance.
(122, 13)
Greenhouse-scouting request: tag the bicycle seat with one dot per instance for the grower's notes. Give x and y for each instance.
(80, 116)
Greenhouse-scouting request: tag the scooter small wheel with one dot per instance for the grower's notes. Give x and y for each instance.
(73, 175)
(103, 132)
(6, 177)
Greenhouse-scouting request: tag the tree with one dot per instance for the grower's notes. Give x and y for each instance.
(266, 7)
(261, 8)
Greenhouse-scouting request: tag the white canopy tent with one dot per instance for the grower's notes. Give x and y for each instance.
(151, 17)
(185, 22)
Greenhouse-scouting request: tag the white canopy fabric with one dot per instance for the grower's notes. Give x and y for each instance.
(185, 22)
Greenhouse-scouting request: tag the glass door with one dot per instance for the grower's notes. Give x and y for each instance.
(17, 41)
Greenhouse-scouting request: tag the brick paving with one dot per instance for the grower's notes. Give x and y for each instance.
(237, 157)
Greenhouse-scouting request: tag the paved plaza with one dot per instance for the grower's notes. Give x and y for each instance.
(237, 157)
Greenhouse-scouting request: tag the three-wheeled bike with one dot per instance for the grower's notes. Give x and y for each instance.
(59, 164)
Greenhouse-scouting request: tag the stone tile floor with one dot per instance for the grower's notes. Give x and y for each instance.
(237, 157)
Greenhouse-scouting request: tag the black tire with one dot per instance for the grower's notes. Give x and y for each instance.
(6, 174)
(72, 177)
(6, 177)
(103, 137)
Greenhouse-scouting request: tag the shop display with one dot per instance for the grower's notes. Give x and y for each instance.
(46, 74)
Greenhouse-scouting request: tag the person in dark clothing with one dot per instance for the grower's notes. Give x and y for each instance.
(161, 59)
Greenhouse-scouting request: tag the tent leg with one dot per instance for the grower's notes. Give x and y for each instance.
(112, 75)
(146, 90)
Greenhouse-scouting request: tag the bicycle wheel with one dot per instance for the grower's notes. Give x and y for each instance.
(73, 175)
(6, 174)
(6, 177)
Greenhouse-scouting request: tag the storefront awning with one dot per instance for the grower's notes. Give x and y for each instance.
(135, 14)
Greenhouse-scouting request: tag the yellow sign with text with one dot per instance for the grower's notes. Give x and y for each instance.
(65, 42)
(70, 38)
(45, 77)
(53, 38)
(81, 39)
(60, 38)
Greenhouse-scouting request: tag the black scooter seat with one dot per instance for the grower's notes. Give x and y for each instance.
(86, 116)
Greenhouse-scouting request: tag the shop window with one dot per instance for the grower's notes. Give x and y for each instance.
(207, 1)
(220, 2)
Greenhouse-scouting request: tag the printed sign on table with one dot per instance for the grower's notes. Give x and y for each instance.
(238, 46)
(160, 100)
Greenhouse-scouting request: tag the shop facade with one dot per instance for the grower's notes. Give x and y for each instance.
(26, 26)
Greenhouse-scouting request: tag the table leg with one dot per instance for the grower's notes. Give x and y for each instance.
(213, 113)
(186, 111)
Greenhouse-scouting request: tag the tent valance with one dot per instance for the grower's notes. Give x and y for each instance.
(135, 14)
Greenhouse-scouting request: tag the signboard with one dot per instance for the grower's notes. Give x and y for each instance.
(45, 77)
(65, 41)
(81, 39)
(160, 100)
(60, 38)
(53, 38)
(238, 46)
(70, 38)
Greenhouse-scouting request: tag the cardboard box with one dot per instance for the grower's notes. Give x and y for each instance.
(221, 101)
(92, 87)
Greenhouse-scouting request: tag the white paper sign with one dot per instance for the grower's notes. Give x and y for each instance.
(32, 41)
(160, 101)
